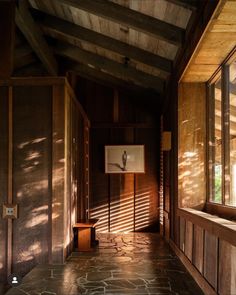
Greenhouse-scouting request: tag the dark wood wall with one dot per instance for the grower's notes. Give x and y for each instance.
(122, 202)
(32, 142)
(3, 178)
(42, 129)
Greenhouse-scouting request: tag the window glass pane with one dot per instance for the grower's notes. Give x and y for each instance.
(216, 195)
(232, 76)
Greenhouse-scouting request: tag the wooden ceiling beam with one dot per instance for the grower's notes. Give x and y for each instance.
(188, 4)
(130, 18)
(113, 68)
(23, 56)
(65, 28)
(105, 79)
(7, 37)
(34, 37)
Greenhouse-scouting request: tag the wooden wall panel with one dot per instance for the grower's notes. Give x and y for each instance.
(146, 187)
(122, 202)
(121, 187)
(68, 231)
(58, 170)
(227, 268)
(31, 170)
(210, 259)
(114, 197)
(191, 149)
(3, 177)
(99, 102)
(99, 181)
(198, 248)
(182, 230)
(188, 249)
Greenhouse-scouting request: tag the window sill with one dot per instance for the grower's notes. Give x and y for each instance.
(220, 227)
(220, 210)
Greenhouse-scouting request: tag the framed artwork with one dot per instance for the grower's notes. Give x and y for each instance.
(124, 159)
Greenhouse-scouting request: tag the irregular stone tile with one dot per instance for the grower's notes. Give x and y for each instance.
(137, 282)
(160, 291)
(16, 291)
(98, 276)
(119, 283)
(142, 264)
(109, 268)
(107, 251)
(94, 285)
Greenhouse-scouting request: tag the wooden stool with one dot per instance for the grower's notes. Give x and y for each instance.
(86, 233)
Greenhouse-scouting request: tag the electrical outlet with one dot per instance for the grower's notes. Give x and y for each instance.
(10, 211)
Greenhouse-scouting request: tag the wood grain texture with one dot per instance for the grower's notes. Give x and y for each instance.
(222, 228)
(7, 37)
(3, 177)
(198, 248)
(206, 287)
(35, 38)
(188, 4)
(31, 188)
(113, 68)
(121, 200)
(227, 268)
(217, 43)
(58, 170)
(10, 180)
(23, 56)
(105, 79)
(130, 18)
(191, 149)
(188, 249)
(159, 10)
(182, 233)
(61, 28)
(210, 259)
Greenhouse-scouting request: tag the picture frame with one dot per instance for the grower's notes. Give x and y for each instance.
(124, 159)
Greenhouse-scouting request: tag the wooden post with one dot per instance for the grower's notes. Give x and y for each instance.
(10, 188)
(7, 34)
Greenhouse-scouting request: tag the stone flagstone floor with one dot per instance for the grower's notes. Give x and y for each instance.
(135, 263)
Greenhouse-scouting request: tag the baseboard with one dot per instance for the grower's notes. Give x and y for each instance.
(200, 280)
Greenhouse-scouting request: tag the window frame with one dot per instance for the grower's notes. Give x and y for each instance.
(222, 209)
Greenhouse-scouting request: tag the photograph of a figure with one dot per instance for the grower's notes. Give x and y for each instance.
(124, 159)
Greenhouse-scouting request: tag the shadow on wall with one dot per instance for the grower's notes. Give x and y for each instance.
(191, 179)
(33, 193)
(126, 210)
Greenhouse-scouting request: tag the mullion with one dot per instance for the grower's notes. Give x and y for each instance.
(211, 141)
(225, 134)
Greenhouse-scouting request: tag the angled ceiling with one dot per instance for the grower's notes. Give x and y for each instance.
(125, 42)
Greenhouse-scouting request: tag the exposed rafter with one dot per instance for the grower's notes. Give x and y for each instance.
(62, 27)
(7, 36)
(130, 18)
(23, 56)
(114, 68)
(103, 78)
(189, 4)
(34, 36)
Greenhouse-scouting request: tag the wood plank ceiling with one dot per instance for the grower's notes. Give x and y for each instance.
(123, 42)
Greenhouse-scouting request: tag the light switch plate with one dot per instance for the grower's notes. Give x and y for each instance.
(10, 211)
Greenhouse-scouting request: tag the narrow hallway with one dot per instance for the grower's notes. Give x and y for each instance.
(134, 263)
